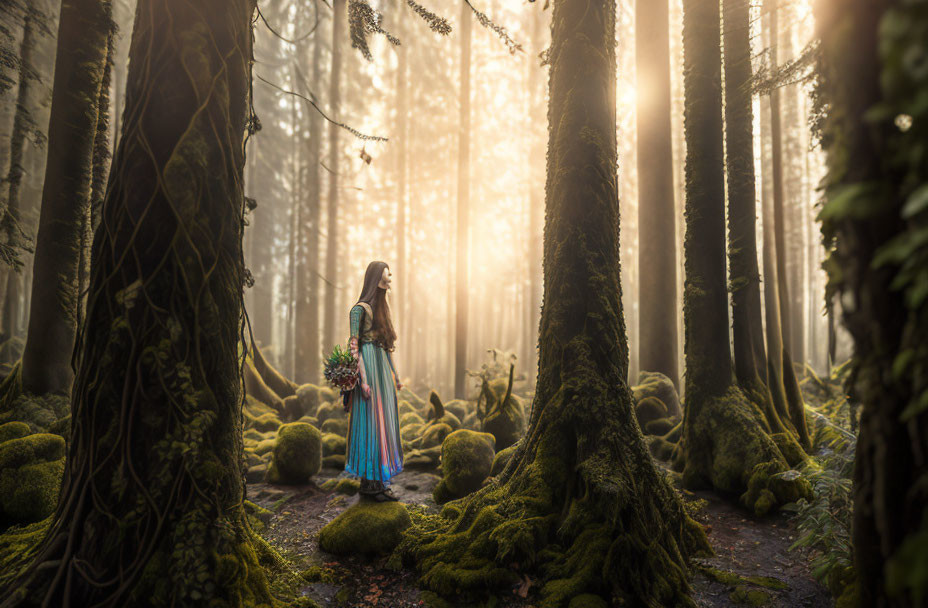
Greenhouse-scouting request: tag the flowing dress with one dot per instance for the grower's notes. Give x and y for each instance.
(374, 450)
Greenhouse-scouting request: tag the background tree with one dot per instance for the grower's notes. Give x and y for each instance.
(83, 34)
(657, 248)
(331, 249)
(581, 478)
(461, 269)
(726, 440)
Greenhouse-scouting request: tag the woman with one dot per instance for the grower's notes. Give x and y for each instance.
(375, 452)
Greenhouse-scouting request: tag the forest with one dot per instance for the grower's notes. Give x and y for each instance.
(643, 311)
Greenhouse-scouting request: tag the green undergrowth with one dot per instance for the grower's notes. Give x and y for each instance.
(728, 447)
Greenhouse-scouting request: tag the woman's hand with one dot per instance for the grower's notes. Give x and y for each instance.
(366, 390)
(399, 385)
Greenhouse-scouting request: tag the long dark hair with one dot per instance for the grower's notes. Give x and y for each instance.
(376, 296)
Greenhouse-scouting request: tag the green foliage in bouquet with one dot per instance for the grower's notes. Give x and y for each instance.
(341, 369)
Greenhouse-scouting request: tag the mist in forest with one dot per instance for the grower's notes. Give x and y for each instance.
(563, 303)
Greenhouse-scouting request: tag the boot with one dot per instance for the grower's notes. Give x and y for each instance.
(383, 492)
(368, 489)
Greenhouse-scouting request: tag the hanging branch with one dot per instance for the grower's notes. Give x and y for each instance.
(437, 24)
(351, 130)
(797, 71)
(500, 30)
(364, 21)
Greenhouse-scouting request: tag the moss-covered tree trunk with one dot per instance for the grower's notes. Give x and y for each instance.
(580, 503)
(101, 166)
(874, 219)
(657, 255)
(330, 338)
(727, 442)
(750, 357)
(83, 33)
(151, 506)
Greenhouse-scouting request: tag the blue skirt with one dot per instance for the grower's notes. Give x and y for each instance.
(375, 450)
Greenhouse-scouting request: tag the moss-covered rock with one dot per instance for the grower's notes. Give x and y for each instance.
(334, 461)
(501, 459)
(439, 415)
(253, 435)
(466, 461)
(337, 426)
(413, 399)
(265, 446)
(13, 430)
(333, 444)
(30, 477)
(655, 384)
(266, 422)
(345, 485)
(459, 408)
(330, 410)
(661, 426)
(367, 528)
(410, 431)
(404, 407)
(471, 421)
(435, 434)
(649, 409)
(410, 418)
(297, 454)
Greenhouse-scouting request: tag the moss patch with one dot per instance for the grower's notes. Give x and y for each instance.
(367, 528)
(297, 454)
(466, 460)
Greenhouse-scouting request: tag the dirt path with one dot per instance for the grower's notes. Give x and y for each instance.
(743, 546)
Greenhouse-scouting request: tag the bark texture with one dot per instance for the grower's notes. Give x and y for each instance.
(151, 510)
(580, 503)
(83, 34)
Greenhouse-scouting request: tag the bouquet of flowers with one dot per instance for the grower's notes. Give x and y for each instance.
(341, 369)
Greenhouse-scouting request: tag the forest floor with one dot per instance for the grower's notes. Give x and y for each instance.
(745, 546)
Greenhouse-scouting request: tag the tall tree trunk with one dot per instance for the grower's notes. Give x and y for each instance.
(331, 247)
(750, 359)
(536, 209)
(793, 195)
(287, 362)
(156, 420)
(657, 247)
(788, 402)
(581, 482)
(776, 135)
(308, 348)
(872, 221)
(463, 210)
(83, 33)
(726, 440)
(14, 236)
(101, 166)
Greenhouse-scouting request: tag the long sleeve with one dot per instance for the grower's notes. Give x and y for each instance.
(354, 318)
(392, 367)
